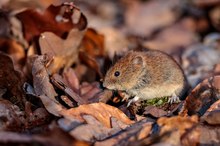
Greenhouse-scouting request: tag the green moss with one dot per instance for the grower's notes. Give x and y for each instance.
(156, 101)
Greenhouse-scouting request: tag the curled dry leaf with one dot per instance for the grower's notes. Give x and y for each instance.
(12, 81)
(49, 21)
(89, 92)
(202, 97)
(178, 127)
(70, 77)
(137, 131)
(212, 115)
(59, 83)
(42, 86)
(93, 130)
(102, 112)
(65, 51)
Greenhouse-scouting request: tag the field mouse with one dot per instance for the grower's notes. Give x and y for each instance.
(146, 75)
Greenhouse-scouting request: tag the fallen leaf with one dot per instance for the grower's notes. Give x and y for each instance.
(201, 97)
(11, 80)
(115, 41)
(42, 86)
(154, 111)
(91, 62)
(89, 92)
(143, 18)
(71, 79)
(49, 21)
(93, 43)
(212, 115)
(178, 127)
(137, 131)
(174, 37)
(12, 118)
(93, 130)
(59, 83)
(54, 136)
(102, 112)
(14, 50)
(5, 23)
(198, 62)
(65, 52)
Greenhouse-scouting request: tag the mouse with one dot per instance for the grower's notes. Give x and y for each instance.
(144, 75)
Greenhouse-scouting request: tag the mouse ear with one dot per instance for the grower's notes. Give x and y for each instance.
(138, 60)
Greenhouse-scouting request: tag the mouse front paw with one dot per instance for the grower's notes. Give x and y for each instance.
(174, 99)
(135, 99)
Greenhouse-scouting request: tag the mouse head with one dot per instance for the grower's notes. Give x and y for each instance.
(125, 73)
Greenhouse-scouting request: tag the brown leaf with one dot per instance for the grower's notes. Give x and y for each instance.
(102, 112)
(93, 43)
(5, 24)
(12, 118)
(54, 136)
(89, 91)
(93, 130)
(48, 21)
(42, 86)
(59, 83)
(91, 62)
(137, 131)
(154, 111)
(202, 97)
(11, 80)
(178, 127)
(212, 115)
(65, 52)
(115, 41)
(174, 37)
(143, 18)
(71, 79)
(209, 135)
(14, 50)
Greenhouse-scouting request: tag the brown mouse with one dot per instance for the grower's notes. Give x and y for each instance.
(146, 75)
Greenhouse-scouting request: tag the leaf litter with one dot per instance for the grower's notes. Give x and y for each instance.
(53, 59)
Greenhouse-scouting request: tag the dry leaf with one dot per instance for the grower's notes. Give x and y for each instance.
(93, 130)
(93, 43)
(14, 50)
(143, 18)
(49, 21)
(212, 115)
(102, 112)
(42, 86)
(91, 62)
(137, 131)
(71, 79)
(12, 81)
(178, 127)
(202, 97)
(173, 38)
(65, 52)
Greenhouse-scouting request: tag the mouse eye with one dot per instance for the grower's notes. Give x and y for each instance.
(117, 73)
